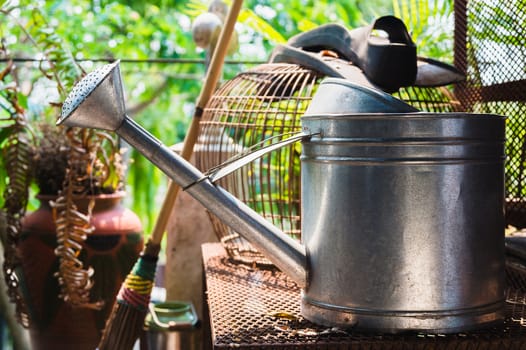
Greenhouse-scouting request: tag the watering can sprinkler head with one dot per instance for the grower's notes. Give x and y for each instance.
(97, 101)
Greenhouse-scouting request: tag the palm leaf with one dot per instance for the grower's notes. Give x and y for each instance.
(259, 25)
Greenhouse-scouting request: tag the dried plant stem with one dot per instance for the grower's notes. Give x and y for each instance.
(73, 226)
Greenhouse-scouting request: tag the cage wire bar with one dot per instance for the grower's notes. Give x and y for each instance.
(264, 103)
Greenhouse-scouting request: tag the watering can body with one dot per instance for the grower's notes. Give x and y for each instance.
(402, 212)
(402, 220)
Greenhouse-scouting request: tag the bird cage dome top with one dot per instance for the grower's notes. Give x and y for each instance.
(262, 103)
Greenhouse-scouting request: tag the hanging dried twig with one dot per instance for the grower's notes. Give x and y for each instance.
(73, 226)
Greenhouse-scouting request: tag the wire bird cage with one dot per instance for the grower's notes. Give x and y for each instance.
(263, 103)
(490, 48)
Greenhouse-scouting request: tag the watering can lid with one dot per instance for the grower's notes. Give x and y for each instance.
(341, 96)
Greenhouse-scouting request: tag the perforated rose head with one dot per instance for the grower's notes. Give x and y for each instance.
(97, 101)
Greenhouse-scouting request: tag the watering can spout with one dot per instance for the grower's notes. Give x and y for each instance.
(97, 102)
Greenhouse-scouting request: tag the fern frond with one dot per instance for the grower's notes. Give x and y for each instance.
(17, 153)
(60, 65)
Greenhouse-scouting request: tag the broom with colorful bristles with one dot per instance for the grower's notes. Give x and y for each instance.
(126, 320)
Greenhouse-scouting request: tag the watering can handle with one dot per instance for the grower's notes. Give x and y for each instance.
(238, 161)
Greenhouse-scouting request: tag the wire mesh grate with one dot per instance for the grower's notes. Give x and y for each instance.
(254, 308)
(490, 47)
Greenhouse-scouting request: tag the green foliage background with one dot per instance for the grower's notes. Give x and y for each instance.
(161, 95)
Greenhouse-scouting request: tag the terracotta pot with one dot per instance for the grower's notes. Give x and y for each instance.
(111, 250)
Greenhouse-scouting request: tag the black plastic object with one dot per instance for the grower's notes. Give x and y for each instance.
(384, 51)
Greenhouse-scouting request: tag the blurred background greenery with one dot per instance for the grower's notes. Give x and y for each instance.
(161, 65)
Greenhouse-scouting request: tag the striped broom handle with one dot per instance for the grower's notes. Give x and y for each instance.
(212, 76)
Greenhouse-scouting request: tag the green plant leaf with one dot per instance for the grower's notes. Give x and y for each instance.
(254, 21)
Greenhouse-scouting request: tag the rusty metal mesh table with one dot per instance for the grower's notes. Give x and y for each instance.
(254, 308)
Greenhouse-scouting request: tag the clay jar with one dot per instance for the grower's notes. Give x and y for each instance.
(111, 249)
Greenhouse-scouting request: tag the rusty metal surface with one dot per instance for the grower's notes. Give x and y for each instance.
(255, 308)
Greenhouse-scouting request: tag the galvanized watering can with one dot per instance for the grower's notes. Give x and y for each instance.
(402, 212)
